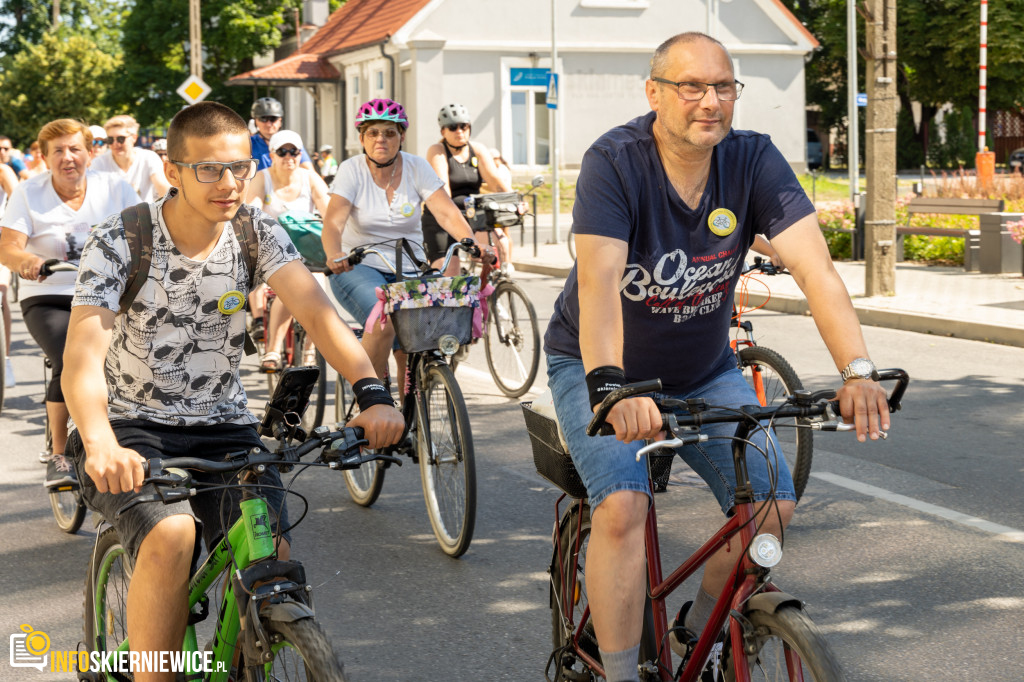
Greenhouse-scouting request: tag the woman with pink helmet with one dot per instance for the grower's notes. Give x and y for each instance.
(375, 197)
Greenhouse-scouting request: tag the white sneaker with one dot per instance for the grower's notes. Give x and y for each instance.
(9, 381)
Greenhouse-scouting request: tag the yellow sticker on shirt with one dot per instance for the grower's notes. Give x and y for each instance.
(722, 222)
(473, 162)
(231, 302)
(408, 209)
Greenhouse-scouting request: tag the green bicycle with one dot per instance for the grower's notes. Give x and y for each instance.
(266, 627)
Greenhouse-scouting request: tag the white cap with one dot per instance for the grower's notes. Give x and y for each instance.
(283, 137)
(326, 148)
(160, 145)
(98, 133)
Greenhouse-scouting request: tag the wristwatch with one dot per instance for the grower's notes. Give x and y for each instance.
(860, 368)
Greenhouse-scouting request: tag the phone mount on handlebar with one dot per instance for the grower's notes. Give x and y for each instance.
(283, 413)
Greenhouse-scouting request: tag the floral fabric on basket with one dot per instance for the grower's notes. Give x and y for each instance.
(452, 292)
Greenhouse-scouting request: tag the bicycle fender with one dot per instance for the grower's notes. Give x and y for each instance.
(770, 602)
(286, 612)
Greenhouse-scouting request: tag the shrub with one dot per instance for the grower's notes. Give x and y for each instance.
(837, 215)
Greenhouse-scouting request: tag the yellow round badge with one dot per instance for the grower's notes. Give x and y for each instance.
(231, 302)
(722, 222)
(473, 162)
(407, 209)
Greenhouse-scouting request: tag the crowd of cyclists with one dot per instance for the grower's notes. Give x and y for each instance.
(678, 182)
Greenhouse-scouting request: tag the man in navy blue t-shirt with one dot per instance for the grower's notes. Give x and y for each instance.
(268, 115)
(666, 208)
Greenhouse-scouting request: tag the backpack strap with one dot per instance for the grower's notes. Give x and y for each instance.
(245, 233)
(138, 232)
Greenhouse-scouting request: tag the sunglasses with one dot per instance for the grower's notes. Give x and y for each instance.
(374, 133)
(119, 139)
(457, 126)
(269, 119)
(213, 171)
(98, 143)
(288, 152)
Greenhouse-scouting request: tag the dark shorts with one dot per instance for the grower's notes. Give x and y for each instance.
(46, 318)
(435, 240)
(214, 511)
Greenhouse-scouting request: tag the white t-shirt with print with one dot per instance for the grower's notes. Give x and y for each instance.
(174, 355)
(145, 164)
(55, 230)
(374, 220)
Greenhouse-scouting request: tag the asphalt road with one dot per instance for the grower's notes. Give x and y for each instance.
(907, 552)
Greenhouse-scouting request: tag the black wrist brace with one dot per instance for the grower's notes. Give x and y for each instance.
(370, 392)
(602, 381)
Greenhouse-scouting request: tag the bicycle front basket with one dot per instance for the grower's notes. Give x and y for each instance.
(424, 310)
(550, 457)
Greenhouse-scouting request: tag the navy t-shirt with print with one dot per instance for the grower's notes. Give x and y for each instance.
(682, 264)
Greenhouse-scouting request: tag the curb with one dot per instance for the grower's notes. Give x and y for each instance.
(538, 269)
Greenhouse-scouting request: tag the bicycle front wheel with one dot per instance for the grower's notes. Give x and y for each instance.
(772, 378)
(786, 645)
(68, 508)
(364, 484)
(513, 340)
(305, 354)
(301, 651)
(106, 594)
(444, 446)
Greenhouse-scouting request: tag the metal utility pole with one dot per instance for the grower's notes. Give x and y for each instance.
(195, 39)
(880, 148)
(853, 126)
(552, 142)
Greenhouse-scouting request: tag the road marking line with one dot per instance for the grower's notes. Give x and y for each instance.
(1003, 532)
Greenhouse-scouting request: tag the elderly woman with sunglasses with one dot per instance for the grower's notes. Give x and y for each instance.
(463, 166)
(282, 188)
(378, 196)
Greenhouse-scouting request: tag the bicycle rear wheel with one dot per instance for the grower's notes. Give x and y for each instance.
(786, 645)
(364, 484)
(512, 342)
(106, 594)
(68, 508)
(773, 379)
(444, 445)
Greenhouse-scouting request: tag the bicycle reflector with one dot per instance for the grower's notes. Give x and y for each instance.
(766, 550)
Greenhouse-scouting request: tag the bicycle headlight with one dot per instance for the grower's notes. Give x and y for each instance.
(448, 344)
(766, 550)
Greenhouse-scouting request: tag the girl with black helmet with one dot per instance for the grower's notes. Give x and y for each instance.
(375, 197)
(463, 166)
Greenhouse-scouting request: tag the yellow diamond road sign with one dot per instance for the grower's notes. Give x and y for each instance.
(194, 90)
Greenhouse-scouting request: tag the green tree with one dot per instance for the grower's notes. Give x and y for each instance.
(62, 76)
(156, 35)
(28, 20)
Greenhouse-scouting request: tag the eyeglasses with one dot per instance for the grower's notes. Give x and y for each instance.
(269, 119)
(694, 92)
(213, 171)
(374, 133)
(98, 143)
(457, 126)
(288, 152)
(119, 139)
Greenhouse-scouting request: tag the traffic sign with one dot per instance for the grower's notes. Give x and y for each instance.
(862, 99)
(552, 95)
(194, 90)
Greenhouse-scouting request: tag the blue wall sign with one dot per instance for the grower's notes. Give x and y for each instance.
(528, 77)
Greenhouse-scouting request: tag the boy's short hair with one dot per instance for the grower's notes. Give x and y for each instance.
(205, 119)
(60, 128)
(122, 121)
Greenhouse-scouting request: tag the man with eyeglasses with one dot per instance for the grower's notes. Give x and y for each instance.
(666, 208)
(162, 378)
(99, 141)
(142, 168)
(268, 114)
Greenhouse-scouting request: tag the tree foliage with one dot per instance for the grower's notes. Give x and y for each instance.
(62, 76)
(28, 20)
(156, 36)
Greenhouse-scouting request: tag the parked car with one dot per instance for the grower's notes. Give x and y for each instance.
(814, 158)
(1017, 160)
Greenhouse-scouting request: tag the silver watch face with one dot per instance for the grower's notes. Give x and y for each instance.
(861, 368)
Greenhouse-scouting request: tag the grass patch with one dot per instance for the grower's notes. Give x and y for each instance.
(566, 195)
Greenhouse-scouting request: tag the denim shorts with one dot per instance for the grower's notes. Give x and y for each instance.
(213, 511)
(356, 290)
(607, 465)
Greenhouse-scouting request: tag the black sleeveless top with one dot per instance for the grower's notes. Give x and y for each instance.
(463, 179)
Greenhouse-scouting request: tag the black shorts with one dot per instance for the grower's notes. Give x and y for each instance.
(214, 511)
(46, 318)
(435, 240)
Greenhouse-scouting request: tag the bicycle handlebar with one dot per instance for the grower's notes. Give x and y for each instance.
(764, 266)
(358, 253)
(52, 265)
(697, 412)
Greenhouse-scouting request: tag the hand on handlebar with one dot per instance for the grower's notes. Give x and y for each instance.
(863, 403)
(339, 263)
(382, 425)
(115, 469)
(635, 419)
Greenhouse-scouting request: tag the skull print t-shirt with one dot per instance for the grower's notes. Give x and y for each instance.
(682, 263)
(175, 353)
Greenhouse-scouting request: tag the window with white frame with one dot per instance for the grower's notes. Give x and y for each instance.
(378, 77)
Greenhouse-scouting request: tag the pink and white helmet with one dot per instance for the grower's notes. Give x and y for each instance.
(382, 110)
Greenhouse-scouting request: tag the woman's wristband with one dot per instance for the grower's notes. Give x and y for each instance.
(602, 381)
(370, 392)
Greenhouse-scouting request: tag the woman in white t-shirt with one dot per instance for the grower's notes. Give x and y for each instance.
(49, 216)
(282, 188)
(376, 197)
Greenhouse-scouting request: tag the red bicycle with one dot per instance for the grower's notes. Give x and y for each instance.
(762, 633)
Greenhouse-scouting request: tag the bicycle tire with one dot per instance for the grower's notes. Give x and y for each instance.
(105, 620)
(512, 340)
(779, 379)
(301, 651)
(447, 464)
(787, 630)
(301, 343)
(68, 508)
(365, 483)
